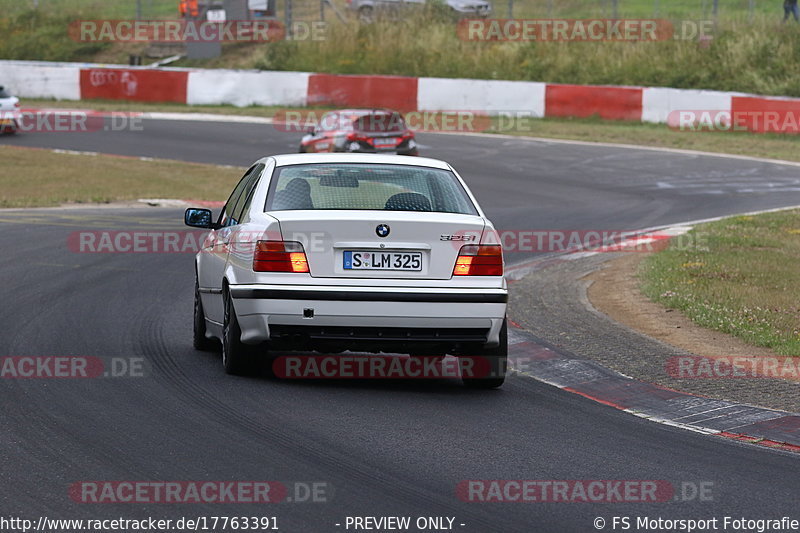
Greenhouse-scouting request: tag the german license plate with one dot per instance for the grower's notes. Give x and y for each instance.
(357, 260)
(391, 141)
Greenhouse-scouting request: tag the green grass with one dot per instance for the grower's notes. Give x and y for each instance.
(41, 178)
(42, 35)
(522, 8)
(739, 276)
(112, 9)
(125, 106)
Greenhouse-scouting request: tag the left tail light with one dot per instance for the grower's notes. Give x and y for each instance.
(280, 256)
(479, 260)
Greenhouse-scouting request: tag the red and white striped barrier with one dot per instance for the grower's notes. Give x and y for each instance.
(76, 81)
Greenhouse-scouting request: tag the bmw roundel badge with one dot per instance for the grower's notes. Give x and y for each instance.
(383, 230)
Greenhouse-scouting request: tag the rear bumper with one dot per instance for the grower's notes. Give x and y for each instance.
(388, 320)
(366, 148)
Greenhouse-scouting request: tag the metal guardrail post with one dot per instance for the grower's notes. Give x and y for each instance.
(288, 17)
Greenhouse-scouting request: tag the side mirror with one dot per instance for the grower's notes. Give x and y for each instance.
(198, 218)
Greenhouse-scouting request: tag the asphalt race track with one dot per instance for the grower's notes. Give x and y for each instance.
(380, 448)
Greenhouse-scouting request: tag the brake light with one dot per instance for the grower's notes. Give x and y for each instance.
(279, 256)
(479, 260)
(355, 137)
(16, 104)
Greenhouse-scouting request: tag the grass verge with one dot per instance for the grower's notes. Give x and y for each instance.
(43, 178)
(741, 278)
(152, 107)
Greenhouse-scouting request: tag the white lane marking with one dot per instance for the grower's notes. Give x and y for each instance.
(74, 152)
(668, 422)
(205, 117)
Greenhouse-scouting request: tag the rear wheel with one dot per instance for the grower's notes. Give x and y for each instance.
(237, 357)
(497, 359)
(201, 342)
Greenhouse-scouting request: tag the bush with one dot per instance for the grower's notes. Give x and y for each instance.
(42, 35)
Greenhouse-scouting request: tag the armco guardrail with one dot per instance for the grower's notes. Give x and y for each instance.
(76, 81)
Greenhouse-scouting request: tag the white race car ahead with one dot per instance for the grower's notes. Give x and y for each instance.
(359, 252)
(9, 112)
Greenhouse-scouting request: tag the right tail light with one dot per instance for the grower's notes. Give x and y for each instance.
(479, 260)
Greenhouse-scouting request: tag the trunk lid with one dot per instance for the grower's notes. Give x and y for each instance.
(328, 235)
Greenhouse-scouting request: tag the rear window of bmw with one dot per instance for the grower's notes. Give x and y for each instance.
(4, 93)
(361, 186)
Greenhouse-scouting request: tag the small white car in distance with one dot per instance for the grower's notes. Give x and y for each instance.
(359, 252)
(9, 112)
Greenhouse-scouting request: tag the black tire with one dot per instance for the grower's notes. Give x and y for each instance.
(498, 364)
(237, 357)
(201, 342)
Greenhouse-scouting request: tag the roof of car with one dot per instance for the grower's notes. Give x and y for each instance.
(299, 159)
